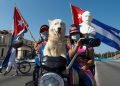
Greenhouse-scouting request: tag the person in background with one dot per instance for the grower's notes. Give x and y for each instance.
(2, 33)
(86, 57)
(12, 60)
(39, 47)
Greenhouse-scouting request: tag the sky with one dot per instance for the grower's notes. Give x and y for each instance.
(38, 12)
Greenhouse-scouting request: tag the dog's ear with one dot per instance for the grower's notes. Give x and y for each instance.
(49, 21)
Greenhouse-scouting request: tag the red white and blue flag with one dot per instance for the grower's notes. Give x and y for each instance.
(20, 27)
(105, 33)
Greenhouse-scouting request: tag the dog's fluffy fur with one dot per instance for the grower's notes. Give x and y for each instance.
(56, 39)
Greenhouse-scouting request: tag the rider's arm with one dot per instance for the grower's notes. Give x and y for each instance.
(91, 55)
(36, 48)
(73, 51)
(90, 61)
(88, 64)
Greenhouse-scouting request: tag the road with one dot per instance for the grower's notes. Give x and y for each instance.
(9, 80)
(20, 80)
(108, 73)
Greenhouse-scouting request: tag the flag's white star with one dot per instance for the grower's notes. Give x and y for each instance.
(20, 22)
(79, 16)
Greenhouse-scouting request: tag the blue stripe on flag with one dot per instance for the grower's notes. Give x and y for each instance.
(5, 61)
(20, 33)
(98, 24)
(108, 41)
(104, 26)
(106, 35)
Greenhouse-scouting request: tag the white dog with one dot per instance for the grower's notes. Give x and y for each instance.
(56, 39)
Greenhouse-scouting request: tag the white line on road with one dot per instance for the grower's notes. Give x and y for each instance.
(96, 75)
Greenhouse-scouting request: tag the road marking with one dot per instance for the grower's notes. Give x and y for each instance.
(96, 75)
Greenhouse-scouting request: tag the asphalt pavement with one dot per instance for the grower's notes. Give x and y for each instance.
(11, 80)
(108, 73)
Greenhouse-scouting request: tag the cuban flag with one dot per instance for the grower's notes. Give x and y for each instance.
(20, 27)
(105, 33)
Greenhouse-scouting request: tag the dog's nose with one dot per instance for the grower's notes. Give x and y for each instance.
(59, 30)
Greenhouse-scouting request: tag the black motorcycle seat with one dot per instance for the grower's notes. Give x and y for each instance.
(54, 63)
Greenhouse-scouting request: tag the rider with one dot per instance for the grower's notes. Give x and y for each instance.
(12, 63)
(83, 60)
(40, 47)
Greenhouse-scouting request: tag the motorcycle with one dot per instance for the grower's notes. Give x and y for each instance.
(53, 72)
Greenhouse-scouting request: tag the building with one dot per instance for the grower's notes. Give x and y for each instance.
(5, 40)
(4, 44)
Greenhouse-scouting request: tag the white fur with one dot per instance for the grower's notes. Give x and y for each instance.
(56, 39)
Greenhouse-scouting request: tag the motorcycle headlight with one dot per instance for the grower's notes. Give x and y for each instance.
(51, 79)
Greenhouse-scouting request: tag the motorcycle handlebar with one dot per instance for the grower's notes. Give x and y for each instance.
(93, 42)
(72, 61)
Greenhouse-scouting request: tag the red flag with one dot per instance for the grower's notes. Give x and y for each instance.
(77, 14)
(20, 25)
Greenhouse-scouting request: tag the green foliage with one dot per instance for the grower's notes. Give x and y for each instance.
(107, 54)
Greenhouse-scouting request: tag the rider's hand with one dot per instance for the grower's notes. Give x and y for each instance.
(84, 68)
(35, 44)
(79, 42)
(35, 47)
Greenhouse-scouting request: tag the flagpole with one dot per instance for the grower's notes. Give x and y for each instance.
(26, 25)
(71, 13)
(31, 35)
